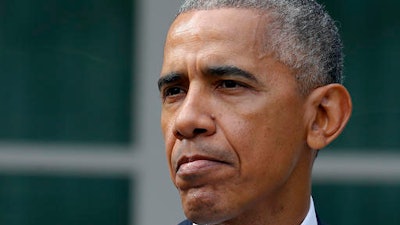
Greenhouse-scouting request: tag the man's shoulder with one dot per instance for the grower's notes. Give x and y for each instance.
(185, 222)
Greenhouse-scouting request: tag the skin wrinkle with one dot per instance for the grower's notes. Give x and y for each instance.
(305, 38)
(248, 144)
(252, 117)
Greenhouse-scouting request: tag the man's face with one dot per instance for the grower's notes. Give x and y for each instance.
(232, 117)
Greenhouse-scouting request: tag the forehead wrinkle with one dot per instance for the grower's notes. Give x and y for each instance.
(188, 27)
(196, 24)
(193, 29)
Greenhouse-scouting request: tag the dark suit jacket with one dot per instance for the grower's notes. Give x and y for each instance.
(187, 222)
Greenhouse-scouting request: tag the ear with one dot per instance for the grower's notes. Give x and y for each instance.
(328, 111)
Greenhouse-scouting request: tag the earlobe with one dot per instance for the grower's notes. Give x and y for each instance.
(328, 110)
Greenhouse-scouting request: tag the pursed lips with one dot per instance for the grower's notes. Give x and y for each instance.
(197, 170)
(196, 161)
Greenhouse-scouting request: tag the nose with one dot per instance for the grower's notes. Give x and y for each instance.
(194, 116)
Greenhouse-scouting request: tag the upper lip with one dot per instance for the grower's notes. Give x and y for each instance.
(186, 159)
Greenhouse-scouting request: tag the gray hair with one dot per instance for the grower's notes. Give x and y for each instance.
(301, 35)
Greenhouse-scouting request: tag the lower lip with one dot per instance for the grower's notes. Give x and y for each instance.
(197, 167)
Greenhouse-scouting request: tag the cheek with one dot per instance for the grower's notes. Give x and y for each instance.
(264, 141)
(165, 122)
(249, 137)
(169, 138)
(167, 126)
(170, 141)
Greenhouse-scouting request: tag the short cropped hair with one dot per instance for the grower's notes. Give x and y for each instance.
(301, 35)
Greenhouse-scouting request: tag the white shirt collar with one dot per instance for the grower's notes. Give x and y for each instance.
(311, 218)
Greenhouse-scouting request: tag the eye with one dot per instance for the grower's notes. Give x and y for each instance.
(230, 84)
(173, 91)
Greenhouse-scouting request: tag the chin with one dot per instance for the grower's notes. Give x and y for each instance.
(204, 209)
(204, 218)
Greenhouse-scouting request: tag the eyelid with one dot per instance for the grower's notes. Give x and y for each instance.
(236, 82)
(166, 88)
(173, 97)
(181, 89)
(168, 79)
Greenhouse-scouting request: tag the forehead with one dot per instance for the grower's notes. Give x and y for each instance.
(226, 36)
(227, 19)
(227, 24)
(199, 40)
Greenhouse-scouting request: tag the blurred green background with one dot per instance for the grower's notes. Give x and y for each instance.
(65, 78)
(65, 70)
(66, 75)
(371, 34)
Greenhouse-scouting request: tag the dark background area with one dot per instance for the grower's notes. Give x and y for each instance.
(66, 78)
(371, 35)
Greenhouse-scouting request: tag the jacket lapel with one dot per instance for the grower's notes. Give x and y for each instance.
(185, 222)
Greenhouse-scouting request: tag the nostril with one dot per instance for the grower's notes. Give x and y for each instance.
(178, 135)
(195, 132)
(199, 131)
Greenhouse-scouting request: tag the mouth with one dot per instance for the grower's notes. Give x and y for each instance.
(196, 163)
(197, 171)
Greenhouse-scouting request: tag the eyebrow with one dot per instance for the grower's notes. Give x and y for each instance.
(168, 79)
(218, 71)
(221, 71)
